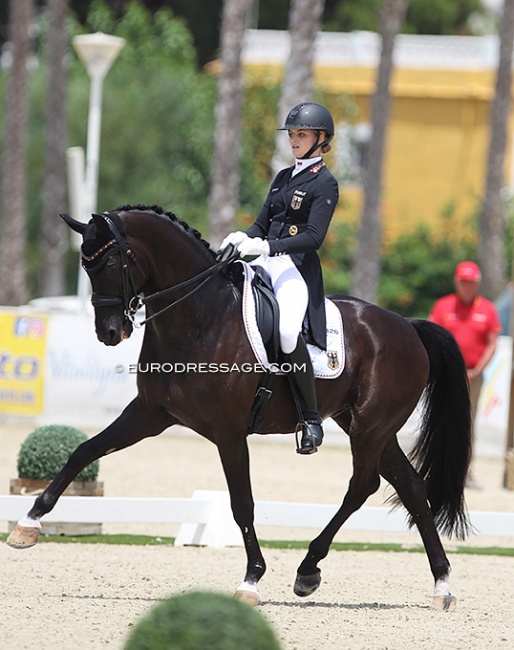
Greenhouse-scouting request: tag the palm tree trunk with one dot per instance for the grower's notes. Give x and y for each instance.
(366, 264)
(13, 286)
(53, 234)
(224, 196)
(297, 86)
(491, 250)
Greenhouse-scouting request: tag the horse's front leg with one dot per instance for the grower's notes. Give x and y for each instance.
(136, 422)
(236, 466)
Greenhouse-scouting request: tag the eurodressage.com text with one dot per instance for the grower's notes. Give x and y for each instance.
(212, 367)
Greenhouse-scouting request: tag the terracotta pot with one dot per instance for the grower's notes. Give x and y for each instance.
(27, 486)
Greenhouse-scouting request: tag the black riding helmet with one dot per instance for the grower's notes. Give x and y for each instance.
(309, 115)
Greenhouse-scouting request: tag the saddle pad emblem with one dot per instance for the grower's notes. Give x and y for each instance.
(332, 360)
(296, 202)
(293, 230)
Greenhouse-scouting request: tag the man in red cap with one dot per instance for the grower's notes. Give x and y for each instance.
(475, 324)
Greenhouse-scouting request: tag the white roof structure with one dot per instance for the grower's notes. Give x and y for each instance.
(264, 46)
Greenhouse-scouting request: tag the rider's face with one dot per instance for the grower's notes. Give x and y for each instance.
(301, 140)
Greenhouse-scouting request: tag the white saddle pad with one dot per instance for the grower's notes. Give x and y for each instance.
(327, 364)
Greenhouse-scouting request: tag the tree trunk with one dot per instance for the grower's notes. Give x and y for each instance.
(13, 286)
(297, 86)
(53, 233)
(491, 250)
(366, 264)
(224, 196)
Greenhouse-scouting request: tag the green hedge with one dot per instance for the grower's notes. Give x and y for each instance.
(44, 452)
(202, 620)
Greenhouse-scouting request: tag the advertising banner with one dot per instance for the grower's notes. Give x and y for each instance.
(22, 352)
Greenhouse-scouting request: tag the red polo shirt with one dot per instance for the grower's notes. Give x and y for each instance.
(469, 324)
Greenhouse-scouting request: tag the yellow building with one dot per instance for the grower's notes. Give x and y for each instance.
(436, 154)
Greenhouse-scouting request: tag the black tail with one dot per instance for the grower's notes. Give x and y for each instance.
(443, 450)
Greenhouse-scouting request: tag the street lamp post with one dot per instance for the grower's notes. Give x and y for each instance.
(97, 52)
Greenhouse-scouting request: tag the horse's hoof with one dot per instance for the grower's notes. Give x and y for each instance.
(307, 585)
(23, 537)
(444, 603)
(247, 593)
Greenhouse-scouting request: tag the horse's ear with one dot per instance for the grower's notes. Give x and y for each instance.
(75, 225)
(101, 225)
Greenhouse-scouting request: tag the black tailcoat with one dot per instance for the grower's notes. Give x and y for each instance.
(294, 219)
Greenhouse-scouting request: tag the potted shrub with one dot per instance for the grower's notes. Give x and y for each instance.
(41, 456)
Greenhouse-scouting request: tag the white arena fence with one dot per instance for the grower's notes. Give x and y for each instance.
(206, 518)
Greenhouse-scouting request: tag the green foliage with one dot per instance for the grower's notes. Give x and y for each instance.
(434, 17)
(44, 452)
(202, 620)
(352, 15)
(416, 269)
(158, 123)
(150, 36)
(158, 115)
(336, 257)
(443, 17)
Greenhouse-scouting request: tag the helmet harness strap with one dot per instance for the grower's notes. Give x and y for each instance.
(314, 146)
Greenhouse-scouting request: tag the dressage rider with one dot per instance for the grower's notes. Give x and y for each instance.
(288, 231)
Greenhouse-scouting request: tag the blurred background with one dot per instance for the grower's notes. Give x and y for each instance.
(164, 140)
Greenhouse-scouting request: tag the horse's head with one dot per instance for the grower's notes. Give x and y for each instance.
(113, 271)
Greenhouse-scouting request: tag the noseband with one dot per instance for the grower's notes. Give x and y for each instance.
(130, 299)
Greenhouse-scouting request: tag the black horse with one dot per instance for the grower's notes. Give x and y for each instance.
(193, 315)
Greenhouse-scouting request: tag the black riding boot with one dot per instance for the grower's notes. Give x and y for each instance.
(303, 379)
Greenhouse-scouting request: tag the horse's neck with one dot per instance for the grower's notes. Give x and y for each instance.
(175, 257)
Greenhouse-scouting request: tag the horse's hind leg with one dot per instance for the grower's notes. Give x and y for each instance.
(136, 422)
(397, 470)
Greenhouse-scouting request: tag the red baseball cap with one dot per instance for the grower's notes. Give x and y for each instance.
(468, 271)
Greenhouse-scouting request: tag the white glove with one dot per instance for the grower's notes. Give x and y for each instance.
(253, 246)
(234, 238)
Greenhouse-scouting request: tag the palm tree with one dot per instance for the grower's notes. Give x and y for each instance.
(491, 250)
(304, 23)
(366, 264)
(53, 235)
(13, 287)
(224, 195)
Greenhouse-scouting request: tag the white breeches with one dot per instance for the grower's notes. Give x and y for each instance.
(292, 297)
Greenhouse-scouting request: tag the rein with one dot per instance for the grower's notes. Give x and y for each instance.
(131, 303)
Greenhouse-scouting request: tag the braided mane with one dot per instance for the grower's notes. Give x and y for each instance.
(173, 217)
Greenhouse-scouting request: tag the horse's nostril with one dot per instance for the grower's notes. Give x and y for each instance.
(109, 335)
(113, 335)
